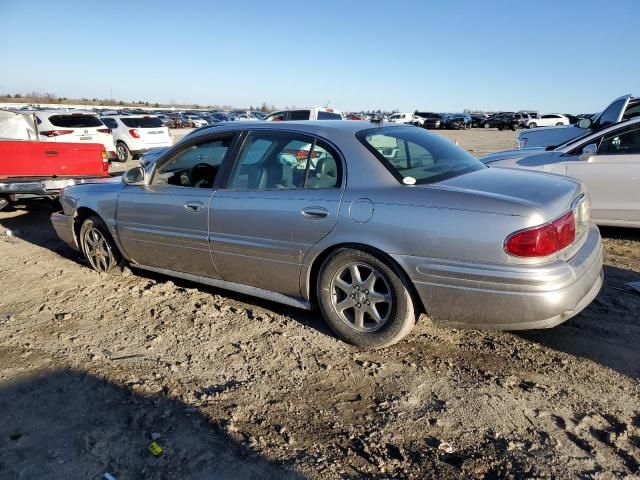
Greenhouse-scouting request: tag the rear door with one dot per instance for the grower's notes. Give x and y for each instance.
(613, 175)
(283, 196)
(165, 224)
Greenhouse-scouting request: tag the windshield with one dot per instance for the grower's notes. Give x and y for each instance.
(413, 155)
(75, 121)
(142, 122)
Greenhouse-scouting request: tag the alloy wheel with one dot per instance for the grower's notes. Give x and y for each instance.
(362, 297)
(98, 250)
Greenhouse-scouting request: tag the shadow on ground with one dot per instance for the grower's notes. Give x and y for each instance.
(68, 424)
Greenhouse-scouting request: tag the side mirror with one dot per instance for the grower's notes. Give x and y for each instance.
(584, 123)
(589, 151)
(134, 176)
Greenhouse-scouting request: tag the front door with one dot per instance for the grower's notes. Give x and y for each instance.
(283, 196)
(612, 176)
(165, 224)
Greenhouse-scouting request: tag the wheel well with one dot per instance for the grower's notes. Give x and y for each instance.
(320, 259)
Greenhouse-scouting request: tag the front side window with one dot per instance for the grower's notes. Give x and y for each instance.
(624, 142)
(197, 166)
(413, 155)
(271, 161)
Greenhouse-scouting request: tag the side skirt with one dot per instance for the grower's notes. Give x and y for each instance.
(234, 287)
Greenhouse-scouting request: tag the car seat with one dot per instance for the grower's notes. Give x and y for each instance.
(326, 174)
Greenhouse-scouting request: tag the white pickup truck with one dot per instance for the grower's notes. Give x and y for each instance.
(620, 109)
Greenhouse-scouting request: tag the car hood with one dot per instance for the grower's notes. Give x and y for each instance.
(546, 136)
(549, 193)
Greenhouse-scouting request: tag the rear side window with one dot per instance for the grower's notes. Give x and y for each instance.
(110, 122)
(329, 116)
(142, 122)
(414, 156)
(271, 161)
(299, 115)
(75, 121)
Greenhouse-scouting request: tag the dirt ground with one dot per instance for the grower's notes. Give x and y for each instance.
(94, 367)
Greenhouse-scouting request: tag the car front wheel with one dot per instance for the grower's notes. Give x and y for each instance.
(97, 246)
(364, 300)
(533, 125)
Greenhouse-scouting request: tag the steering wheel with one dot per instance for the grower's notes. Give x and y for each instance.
(202, 175)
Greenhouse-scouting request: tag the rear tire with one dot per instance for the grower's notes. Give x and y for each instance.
(501, 127)
(124, 155)
(364, 299)
(97, 246)
(533, 124)
(486, 125)
(559, 124)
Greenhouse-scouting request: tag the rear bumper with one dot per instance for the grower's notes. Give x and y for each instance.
(45, 187)
(508, 297)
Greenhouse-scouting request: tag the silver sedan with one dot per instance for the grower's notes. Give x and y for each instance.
(374, 224)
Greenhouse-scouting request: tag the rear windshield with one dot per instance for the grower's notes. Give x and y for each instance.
(142, 122)
(329, 116)
(75, 121)
(413, 155)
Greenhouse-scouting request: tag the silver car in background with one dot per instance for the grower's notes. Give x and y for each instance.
(608, 162)
(373, 224)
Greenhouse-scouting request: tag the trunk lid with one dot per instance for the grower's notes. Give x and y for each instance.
(552, 194)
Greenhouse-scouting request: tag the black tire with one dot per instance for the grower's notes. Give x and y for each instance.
(500, 127)
(486, 125)
(97, 246)
(532, 125)
(123, 153)
(384, 281)
(559, 124)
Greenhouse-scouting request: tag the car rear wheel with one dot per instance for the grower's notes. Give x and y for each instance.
(533, 124)
(500, 127)
(559, 124)
(486, 125)
(364, 300)
(97, 246)
(123, 152)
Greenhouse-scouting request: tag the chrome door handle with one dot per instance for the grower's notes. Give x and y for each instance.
(193, 206)
(315, 213)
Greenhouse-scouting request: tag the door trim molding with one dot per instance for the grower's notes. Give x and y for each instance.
(234, 287)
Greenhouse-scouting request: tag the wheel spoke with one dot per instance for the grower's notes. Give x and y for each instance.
(371, 280)
(377, 297)
(355, 274)
(344, 304)
(359, 318)
(373, 313)
(103, 264)
(342, 285)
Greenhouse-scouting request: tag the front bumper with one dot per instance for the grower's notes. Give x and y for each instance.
(63, 225)
(508, 297)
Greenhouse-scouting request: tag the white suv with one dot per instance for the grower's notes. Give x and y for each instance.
(74, 126)
(135, 134)
(549, 120)
(401, 118)
(304, 114)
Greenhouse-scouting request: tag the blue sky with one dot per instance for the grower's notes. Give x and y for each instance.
(567, 56)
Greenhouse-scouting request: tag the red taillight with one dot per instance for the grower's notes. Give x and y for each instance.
(104, 130)
(543, 240)
(134, 133)
(105, 161)
(55, 133)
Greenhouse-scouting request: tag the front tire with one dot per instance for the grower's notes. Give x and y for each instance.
(533, 124)
(559, 124)
(124, 155)
(364, 300)
(97, 246)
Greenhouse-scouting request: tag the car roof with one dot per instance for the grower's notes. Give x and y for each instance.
(308, 126)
